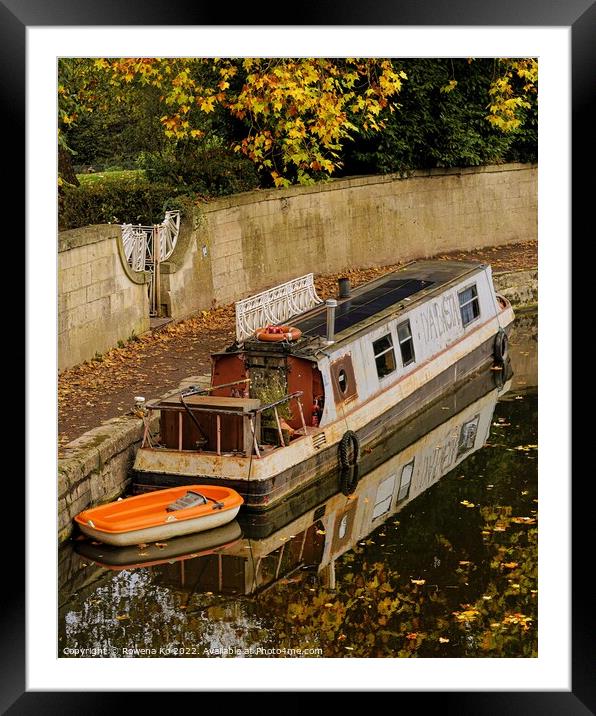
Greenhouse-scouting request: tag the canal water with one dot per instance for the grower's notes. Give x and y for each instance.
(430, 551)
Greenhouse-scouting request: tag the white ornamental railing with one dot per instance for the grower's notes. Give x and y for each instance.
(145, 247)
(138, 241)
(276, 305)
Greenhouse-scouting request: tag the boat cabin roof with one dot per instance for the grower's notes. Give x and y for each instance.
(373, 302)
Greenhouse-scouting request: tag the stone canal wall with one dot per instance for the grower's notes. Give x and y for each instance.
(95, 468)
(100, 299)
(242, 244)
(239, 245)
(519, 287)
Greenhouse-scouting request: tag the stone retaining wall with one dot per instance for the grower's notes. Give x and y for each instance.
(100, 299)
(242, 244)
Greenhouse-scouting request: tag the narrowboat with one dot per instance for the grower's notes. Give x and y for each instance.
(313, 529)
(309, 387)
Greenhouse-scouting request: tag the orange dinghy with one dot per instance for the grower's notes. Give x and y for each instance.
(160, 515)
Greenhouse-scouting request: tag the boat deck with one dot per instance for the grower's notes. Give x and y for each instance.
(354, 310)
(400, 289)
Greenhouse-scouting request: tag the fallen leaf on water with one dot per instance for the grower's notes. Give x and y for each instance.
(412, 635)
(465, 503)
(466, 615)
(464, 562)
(418, 581)
(328, 605)
(524, 520)
(486, 597)
(443, 640)
(510, 565)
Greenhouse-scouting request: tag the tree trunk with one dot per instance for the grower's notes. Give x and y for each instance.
(65, 168)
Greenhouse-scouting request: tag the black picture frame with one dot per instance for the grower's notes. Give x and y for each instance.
(578, 15)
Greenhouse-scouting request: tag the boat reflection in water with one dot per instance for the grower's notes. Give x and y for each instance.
(317, 526)
(153, 554)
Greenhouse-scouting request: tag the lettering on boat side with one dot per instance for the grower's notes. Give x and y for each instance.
(439, 317)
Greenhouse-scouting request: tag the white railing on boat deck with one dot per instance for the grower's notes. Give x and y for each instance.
(276, 305)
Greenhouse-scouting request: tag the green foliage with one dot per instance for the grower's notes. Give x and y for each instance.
(441, 121)
(214, 127)
(128, 200)
(102, 127)
(115, 176)
(204, 170)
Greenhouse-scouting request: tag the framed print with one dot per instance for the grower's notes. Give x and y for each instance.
(33, 680)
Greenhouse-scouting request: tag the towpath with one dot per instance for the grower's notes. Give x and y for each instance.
(159, 360)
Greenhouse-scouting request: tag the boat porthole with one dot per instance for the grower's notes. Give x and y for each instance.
(342, 380)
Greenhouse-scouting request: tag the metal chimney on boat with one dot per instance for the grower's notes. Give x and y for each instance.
(331, 305)
(344, 287)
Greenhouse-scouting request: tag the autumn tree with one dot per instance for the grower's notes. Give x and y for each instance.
(454, 112)
(294, 119)
(297, 113)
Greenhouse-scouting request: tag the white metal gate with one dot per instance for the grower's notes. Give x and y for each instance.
(145, 247)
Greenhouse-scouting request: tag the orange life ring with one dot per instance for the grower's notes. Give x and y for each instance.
(278, 333)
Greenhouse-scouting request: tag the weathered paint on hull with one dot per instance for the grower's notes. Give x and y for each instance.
(262, 523)
(164, 531)
(263, 483)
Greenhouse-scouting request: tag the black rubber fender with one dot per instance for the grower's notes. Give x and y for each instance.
(348, 479)
(501, 346)
(349, 438)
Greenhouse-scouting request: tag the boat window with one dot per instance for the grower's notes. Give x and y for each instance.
(342, 380)
(384, 496)
(406, 481)
(467, 435)
(469, 305)
(406, 343)
(384, 355)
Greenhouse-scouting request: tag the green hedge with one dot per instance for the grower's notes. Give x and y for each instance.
(130, 200)
(213, 171)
